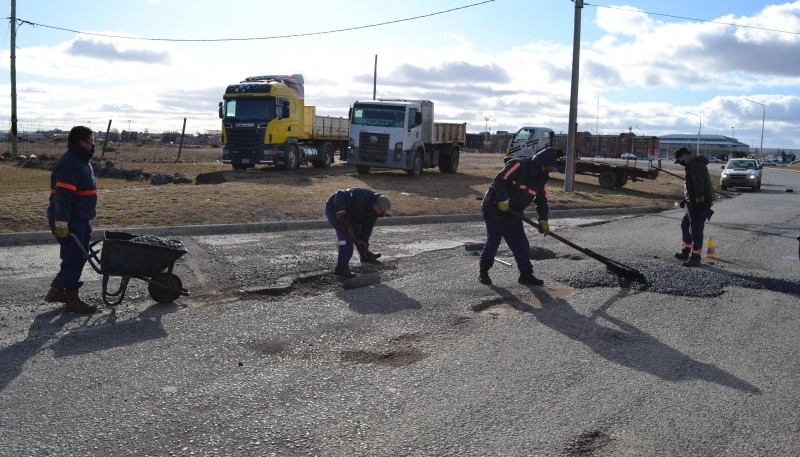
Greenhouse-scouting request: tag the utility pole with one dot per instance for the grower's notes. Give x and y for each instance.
(13, 23)
(699, 129)
(572, 127)
(763, 117)
(375, 77)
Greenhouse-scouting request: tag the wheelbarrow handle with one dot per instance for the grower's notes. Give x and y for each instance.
(91, 255)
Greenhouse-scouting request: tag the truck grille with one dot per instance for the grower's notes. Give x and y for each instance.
(245, 138)
(373, 147)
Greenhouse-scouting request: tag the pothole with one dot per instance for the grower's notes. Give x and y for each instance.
(398, 353)
(588, 442)
(393, 357)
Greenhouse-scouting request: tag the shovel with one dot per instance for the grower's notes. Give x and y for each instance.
(613, 266)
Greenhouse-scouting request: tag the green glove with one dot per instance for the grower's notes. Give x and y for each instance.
(502, 206)
(61, 230)
(544, 227)
(340, 215)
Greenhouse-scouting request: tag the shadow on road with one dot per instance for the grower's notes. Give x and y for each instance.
(381, 299)
(14, 357)
(144, 327)
(86, 338)
(623, 344)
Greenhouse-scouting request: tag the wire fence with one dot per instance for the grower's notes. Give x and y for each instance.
(42, 128)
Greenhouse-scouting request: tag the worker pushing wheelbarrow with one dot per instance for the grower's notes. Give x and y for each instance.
(149, 258)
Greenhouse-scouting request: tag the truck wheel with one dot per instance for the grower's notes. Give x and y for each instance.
(326, 157)
(292, 158)
(449, 163)
(622, 179)
(362, 169)
(608, 179)
(416, 167)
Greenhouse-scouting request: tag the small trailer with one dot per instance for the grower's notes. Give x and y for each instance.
(611, 175)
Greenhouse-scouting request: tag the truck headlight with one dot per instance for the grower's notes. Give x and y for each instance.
(398, 151)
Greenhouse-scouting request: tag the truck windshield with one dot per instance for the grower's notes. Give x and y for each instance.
(523, 135)
(263, 108)
(379, 116)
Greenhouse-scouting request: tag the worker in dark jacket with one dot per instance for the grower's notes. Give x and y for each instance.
(73, 202)
(352, 213)
(520, 183)
(698, 198)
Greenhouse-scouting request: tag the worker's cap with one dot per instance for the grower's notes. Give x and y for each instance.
(680, 153)
(383, 203)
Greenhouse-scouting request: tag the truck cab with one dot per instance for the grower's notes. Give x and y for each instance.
(529, 140)
(401, 134)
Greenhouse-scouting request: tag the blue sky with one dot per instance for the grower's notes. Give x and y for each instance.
(644, 64)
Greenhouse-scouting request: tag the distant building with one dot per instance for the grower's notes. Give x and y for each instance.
(710, 145)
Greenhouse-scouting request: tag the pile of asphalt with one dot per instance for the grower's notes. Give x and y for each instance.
(674, 279)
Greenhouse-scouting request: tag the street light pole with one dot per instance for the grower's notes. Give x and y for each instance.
(699, 129)
(763, 117)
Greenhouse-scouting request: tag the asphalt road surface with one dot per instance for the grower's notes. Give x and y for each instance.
(270, 355)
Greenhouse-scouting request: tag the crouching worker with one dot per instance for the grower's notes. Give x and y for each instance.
(73, 202)
(352, 213)
(520, 183)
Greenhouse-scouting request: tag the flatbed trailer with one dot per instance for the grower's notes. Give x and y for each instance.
(611, 175)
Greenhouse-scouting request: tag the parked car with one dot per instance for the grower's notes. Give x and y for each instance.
(628, 155)
(712, 159)
(741, 173)
(773, 163)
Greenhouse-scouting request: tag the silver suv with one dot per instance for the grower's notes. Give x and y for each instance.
(741, 173)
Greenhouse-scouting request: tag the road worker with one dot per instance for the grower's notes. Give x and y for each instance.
(73, 203)
(353, 212)
(520, 183)
(698, 198)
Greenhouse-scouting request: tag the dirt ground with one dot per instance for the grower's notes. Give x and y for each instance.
(269, 194)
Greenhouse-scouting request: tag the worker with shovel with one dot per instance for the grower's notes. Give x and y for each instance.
(520, 183)
(698, 197)
(353, 212)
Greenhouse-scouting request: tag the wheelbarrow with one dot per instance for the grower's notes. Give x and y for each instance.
(150, 259)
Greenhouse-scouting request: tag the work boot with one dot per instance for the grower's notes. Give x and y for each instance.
(694, 261)
(73, 302)
(370, 256)
(683, 255)
(483, 277)
(56, 292)
(344, 273)
(526, 277)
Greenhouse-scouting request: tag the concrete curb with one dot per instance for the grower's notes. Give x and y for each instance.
(35, 238)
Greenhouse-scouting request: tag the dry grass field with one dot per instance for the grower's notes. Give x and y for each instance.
(269, 194)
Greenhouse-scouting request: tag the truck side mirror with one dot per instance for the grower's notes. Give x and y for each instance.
(220, 110)
(418, 118)
(350, 113)
(285, 110)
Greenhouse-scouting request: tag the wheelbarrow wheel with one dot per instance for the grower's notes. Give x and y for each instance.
(165, 287)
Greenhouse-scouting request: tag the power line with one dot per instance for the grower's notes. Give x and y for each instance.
(21, 21)
(693, 19)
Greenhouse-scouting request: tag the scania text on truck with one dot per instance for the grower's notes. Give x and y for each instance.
(265, 121)
(401, 134)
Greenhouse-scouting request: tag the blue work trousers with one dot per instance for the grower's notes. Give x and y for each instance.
(506, 227)
(343, 239)
(72, 259)
(692, 227)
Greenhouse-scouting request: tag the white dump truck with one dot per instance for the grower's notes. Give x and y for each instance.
(401, 134)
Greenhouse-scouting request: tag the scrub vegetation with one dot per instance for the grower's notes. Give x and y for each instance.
(268, 194)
